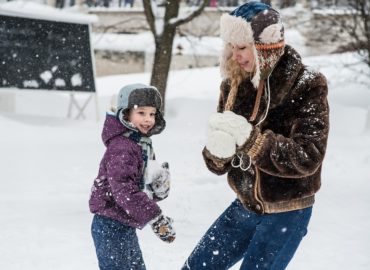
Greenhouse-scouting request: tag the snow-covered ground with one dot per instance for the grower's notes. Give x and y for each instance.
(48, 163)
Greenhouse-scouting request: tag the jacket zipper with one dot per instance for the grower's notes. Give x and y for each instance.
(257, 190)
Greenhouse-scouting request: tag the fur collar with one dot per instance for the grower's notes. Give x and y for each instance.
(284, 75)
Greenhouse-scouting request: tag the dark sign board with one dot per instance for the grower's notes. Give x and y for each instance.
(42, 54)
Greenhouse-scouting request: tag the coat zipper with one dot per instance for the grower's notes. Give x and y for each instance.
(257, 190)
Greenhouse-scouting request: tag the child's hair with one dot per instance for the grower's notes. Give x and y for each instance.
(138, 95)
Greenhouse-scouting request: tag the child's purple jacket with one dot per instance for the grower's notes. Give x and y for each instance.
(116, 192)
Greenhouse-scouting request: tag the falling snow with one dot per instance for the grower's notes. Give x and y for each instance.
(76, 80)
(46, 76)
(60, 82)
(30, 84)
(197, 197)
(61, 157)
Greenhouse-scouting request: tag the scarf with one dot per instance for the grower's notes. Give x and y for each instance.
(147, 151)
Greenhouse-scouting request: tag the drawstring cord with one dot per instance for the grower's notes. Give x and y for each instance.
(240, 165)
(267, 91)
(241, 160)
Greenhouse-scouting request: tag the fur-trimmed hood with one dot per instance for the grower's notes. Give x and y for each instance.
(136, 95)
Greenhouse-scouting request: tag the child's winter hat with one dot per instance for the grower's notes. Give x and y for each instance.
(137, 95)
(253, 23)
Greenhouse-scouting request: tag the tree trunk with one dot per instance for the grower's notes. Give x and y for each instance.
(164, 39)
(366, 19)
(162, 61)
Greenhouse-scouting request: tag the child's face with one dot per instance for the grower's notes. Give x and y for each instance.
(143, 118)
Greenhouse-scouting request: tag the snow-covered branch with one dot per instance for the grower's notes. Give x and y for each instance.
(148, 10)
(187, 17)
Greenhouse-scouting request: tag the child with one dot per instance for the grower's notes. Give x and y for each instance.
(125, 192)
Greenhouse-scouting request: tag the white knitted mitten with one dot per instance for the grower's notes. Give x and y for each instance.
(220, 144)
(231, 123)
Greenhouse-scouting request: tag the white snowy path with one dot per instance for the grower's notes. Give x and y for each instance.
(48, 164)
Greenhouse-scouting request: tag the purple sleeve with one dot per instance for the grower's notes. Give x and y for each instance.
(124, 174)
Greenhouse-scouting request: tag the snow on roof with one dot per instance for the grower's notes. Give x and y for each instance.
(38, 11)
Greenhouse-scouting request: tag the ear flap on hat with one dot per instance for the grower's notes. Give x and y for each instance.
(257, 75)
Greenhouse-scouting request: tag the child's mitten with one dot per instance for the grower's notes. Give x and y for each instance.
(161, 182)
(163, 228)
(158, 180)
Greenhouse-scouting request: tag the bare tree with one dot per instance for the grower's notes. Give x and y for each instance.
(360, 30)
(354, 21)
(163, 19)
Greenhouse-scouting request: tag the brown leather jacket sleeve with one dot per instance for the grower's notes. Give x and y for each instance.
(216, 165)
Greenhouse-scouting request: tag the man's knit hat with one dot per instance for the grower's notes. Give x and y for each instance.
(138, 95)
(253, 23)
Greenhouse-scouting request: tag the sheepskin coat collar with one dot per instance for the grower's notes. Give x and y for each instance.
(287, 149)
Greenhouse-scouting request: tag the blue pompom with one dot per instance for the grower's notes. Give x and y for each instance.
(248, 10)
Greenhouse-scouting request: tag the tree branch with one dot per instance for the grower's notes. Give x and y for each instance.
(149, 15)
(192, 15)
(116, 26)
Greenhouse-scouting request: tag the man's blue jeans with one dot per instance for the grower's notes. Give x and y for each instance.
(116, 245)
(262, 241)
